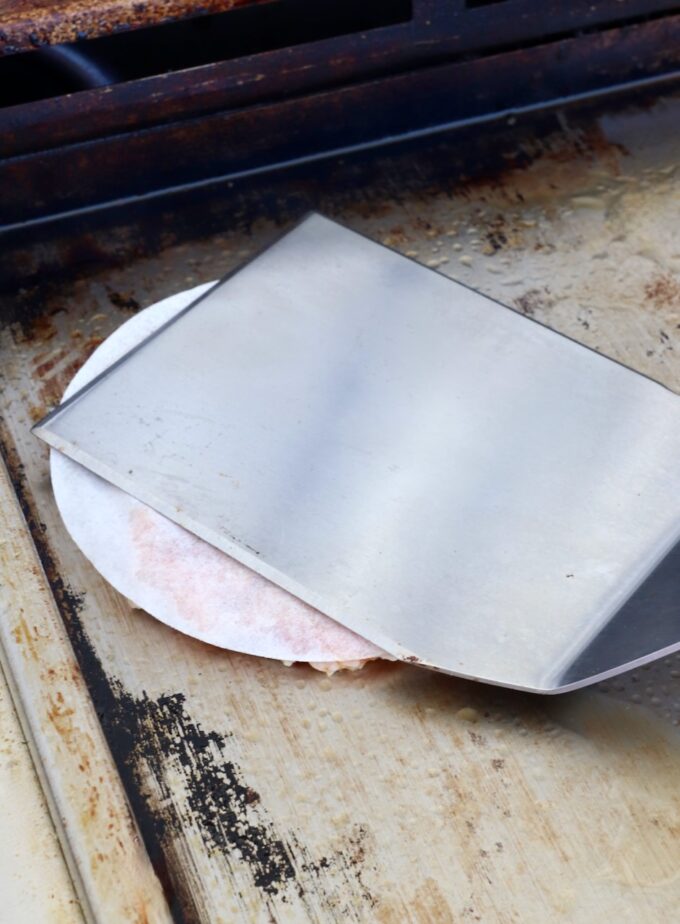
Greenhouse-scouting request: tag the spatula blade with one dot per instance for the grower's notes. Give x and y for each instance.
(462, 486)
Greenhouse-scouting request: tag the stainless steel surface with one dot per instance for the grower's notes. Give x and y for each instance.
(465, 488)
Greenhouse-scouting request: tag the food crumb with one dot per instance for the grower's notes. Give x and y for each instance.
(587, 202)
(332, 667)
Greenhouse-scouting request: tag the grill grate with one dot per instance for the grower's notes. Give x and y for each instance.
(178, 107)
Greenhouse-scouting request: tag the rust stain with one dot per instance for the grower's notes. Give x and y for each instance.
(663, 291)
(26, 639)
(56, 375)
(61, 717)
(27, 24)
(48, 365)
(430, 905)
(39, 330)
(52, 369)
(60, 714)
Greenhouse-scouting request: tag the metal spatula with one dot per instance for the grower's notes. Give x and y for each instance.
(459, 484)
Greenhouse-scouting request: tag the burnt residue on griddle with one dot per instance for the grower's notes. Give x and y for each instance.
(25, 314)
(151, 738)
(152, 734)
(534, 300)
(157, 746)
(123, 300)
(345, 867)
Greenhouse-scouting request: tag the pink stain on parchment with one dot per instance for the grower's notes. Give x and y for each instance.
(209, 590)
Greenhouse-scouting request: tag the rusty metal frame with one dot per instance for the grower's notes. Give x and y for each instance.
(103, 152)
(26, 25)
(477, 44)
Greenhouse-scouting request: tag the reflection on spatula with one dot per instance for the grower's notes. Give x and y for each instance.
(456, 483)
(169, 573)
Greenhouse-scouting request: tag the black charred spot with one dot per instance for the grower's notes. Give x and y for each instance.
(123, 300)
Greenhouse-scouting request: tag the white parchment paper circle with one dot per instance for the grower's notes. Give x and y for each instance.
(172, 574)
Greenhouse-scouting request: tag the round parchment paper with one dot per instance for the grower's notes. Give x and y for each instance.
(175, 576)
